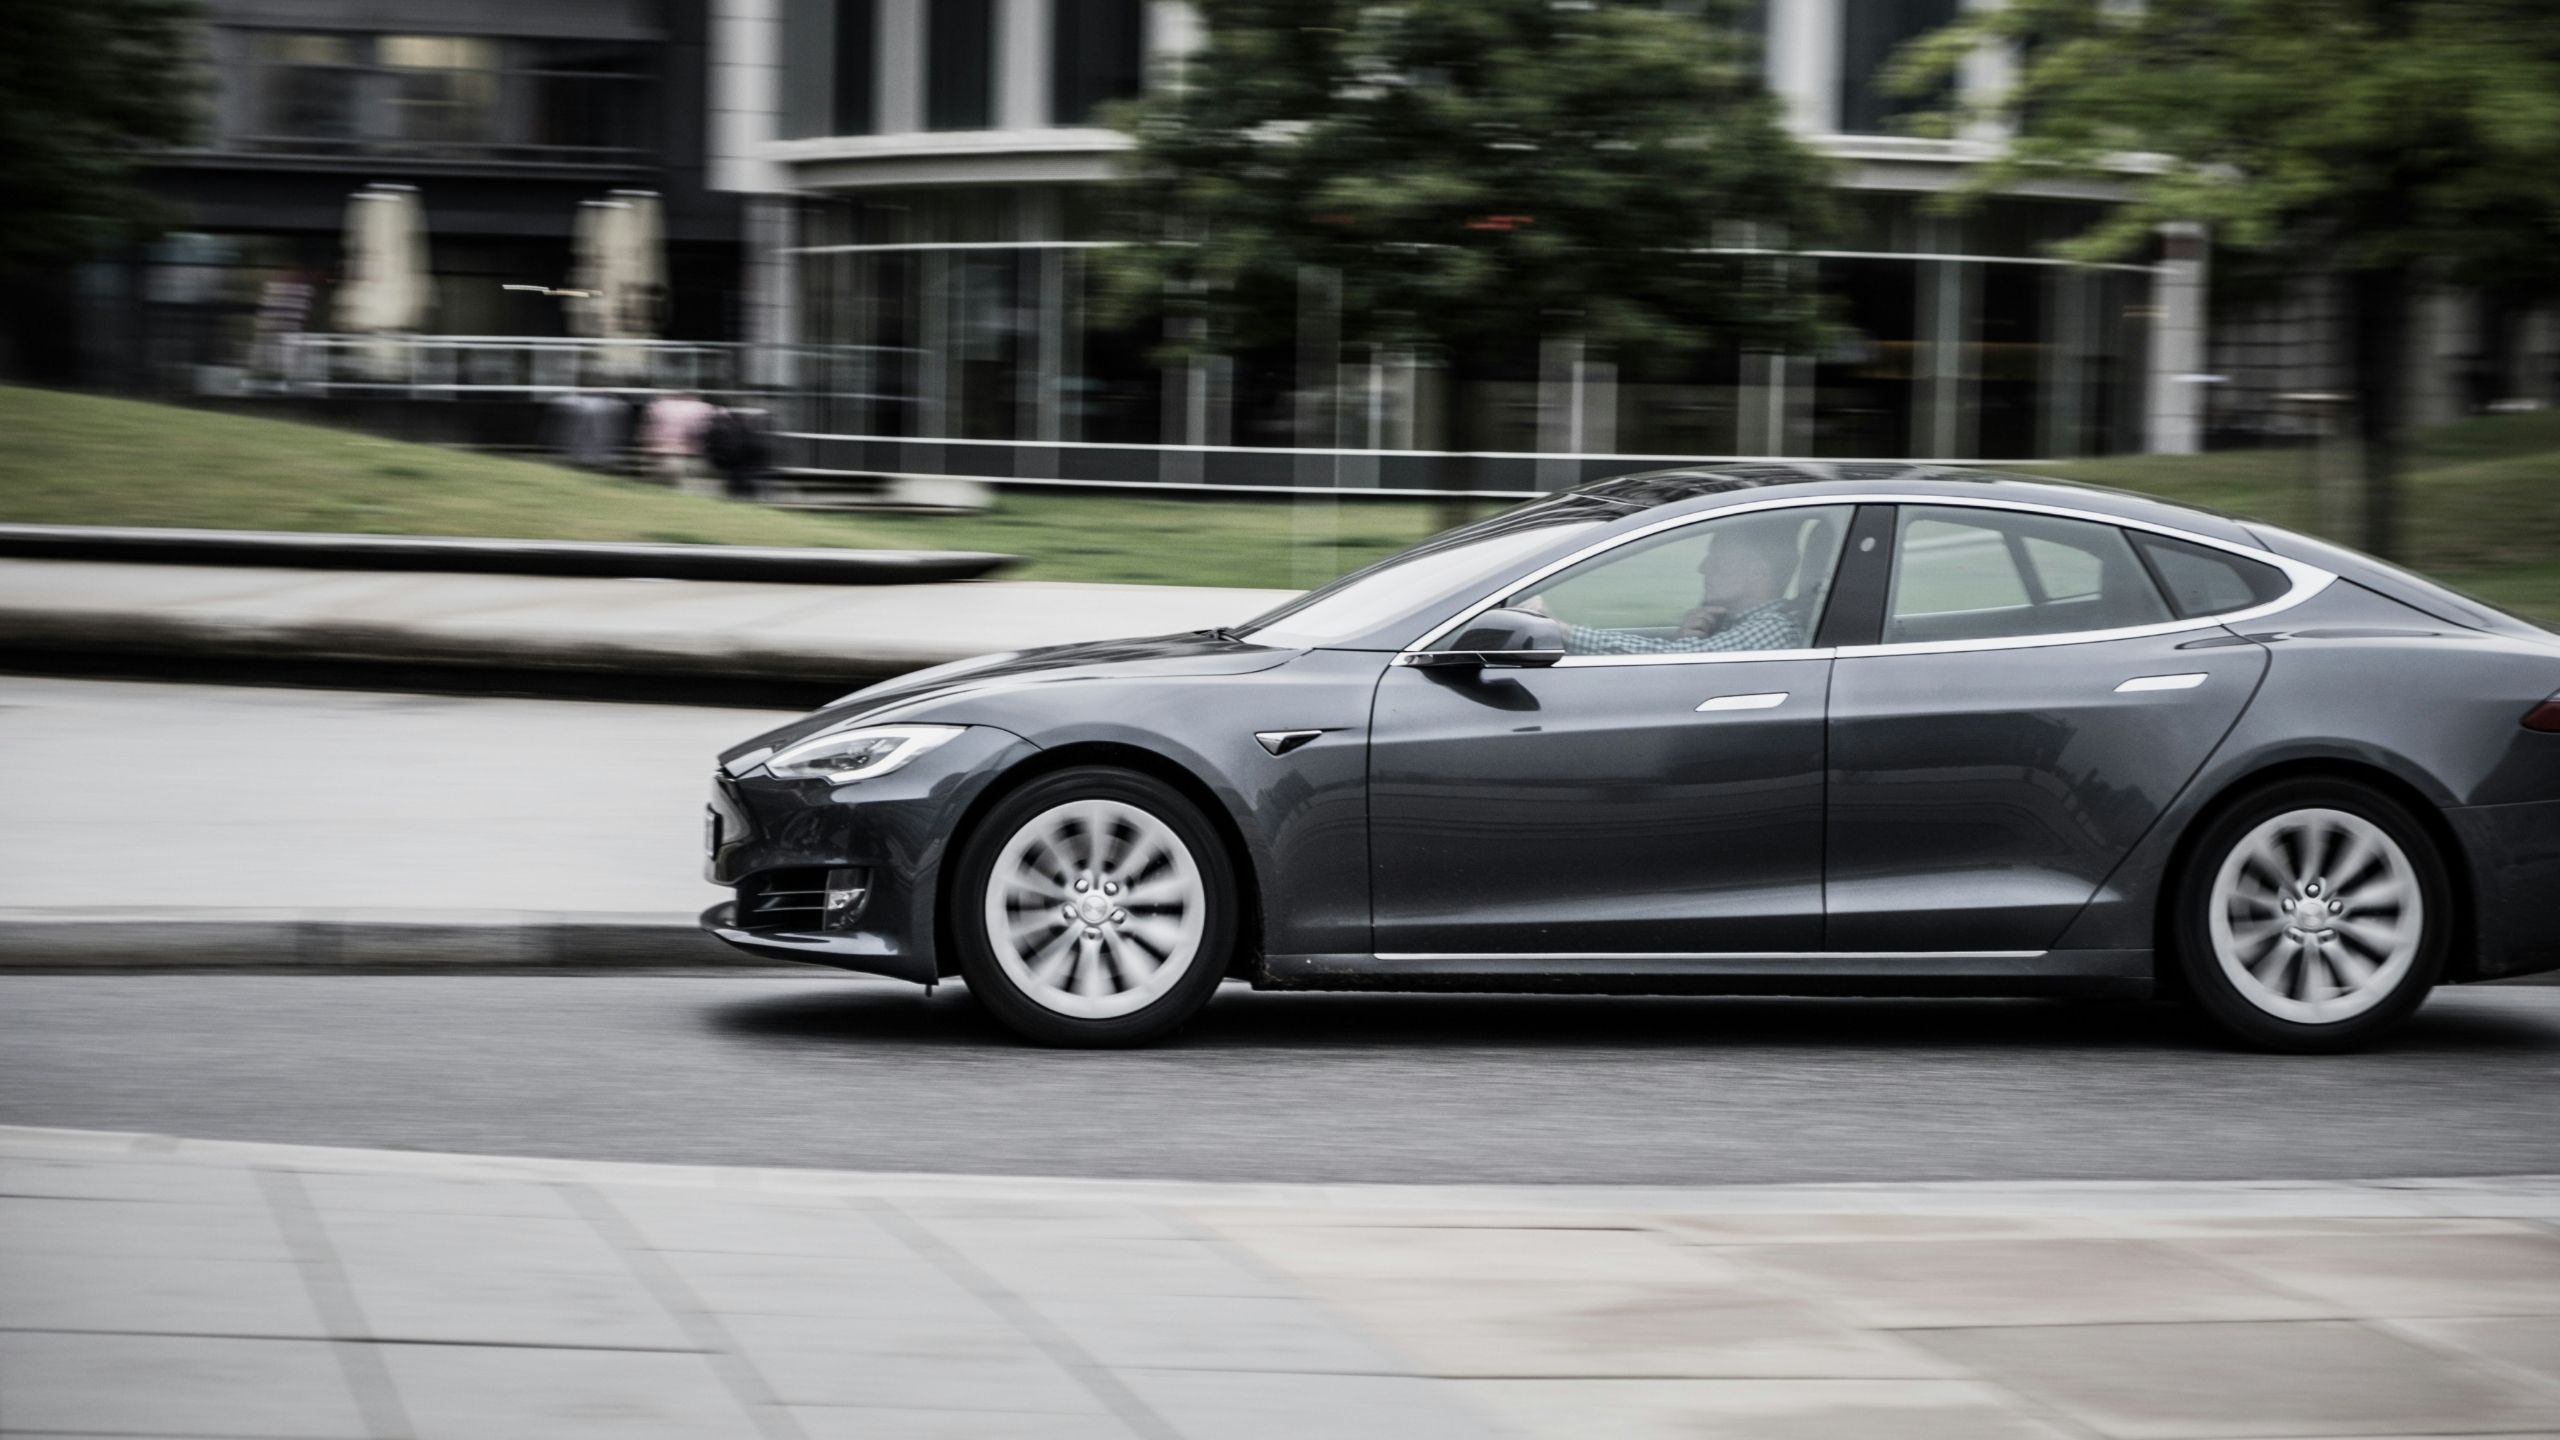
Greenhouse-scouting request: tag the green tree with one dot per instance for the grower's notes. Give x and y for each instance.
(87, 90)
(2387, 144)
(1468, 171)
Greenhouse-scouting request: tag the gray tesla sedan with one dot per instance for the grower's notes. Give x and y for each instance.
(1796, 729)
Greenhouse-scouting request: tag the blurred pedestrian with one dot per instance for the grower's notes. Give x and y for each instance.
(738, 447)
(673, 432)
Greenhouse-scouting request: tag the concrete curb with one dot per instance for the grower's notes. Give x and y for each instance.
(300, 551)
(356, 942)
(2522, 1197)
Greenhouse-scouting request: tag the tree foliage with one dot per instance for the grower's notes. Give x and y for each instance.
(87, 88)
(1470, 170)
(2383, 143)
(2360, 134)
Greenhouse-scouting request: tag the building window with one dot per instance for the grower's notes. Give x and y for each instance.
(444, 88)
(857, 72)
(959, 47)
(1098, 55)
(1871, 32)
(313, 86)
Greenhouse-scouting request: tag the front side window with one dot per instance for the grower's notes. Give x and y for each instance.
(1751, 582)
(1967, 574)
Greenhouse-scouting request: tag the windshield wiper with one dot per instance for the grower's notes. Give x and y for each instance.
(1228, 633)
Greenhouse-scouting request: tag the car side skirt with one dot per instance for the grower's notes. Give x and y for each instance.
(2110, 973)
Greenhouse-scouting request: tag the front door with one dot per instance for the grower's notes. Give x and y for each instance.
(1658, 792)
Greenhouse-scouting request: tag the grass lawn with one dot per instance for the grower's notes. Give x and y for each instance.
(2483, 497)
(86, 460)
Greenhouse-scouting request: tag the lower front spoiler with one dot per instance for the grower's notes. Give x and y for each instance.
(849, 950)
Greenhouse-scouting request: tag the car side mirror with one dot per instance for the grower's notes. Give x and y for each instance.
(1512, 638)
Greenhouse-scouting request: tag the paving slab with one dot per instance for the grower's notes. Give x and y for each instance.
(2528, 1343)
(140, 1292)
(2516, 1273)
(565, 1298)
(2023, 1281)
(174, 1385)
(1758, 1409)
(469, 1392)
(1218, 1332)
(2188, 1382)
(1454, 1326)
(139, 1227)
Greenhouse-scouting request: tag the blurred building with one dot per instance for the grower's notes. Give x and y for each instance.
(504, 115)
(921, 176)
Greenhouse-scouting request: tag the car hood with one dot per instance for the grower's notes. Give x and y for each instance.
(1197, 652)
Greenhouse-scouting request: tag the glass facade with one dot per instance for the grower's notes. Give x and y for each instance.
(1097, 55)
(1870, 32)
(971, 314)
(442, 96)
(963, 313)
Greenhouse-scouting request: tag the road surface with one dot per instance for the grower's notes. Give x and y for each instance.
(848, 1073)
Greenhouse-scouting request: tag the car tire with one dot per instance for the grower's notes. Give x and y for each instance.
(1094, 907)
(2311, 916)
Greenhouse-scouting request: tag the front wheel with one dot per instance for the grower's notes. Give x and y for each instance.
(2312, 916)
(1094, 907)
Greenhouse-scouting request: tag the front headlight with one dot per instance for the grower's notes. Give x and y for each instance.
(838, 756)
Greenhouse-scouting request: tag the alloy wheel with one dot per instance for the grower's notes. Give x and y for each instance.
(2316, 915)
(1095, 908)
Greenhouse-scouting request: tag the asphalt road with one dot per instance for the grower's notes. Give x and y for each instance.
(845, 1073)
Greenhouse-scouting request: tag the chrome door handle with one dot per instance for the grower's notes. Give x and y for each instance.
(1769, 701)
(2161, 682)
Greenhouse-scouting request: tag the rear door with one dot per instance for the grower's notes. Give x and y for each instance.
(2032, 703)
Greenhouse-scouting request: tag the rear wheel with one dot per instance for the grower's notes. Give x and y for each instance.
(2312, 916)
(1094, 907)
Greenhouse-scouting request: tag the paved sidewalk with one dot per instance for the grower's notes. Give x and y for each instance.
(218, 824)
(151, 1286)
(719, 630)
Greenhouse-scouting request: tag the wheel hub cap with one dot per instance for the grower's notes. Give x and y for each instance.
(2316, 915)
(1095, 908)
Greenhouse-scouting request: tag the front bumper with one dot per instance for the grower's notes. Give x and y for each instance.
(896, 828)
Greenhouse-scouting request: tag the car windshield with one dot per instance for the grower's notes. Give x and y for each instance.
(1361, 601)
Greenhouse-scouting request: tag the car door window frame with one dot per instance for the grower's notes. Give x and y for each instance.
(1848, 637)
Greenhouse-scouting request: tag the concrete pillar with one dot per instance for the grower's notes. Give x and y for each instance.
(2176, 400)
(1986, 76)
(901, 66)
(773, 307)
(1804, 62)
(1022, 64)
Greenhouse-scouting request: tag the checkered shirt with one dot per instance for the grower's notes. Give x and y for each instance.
(1769, 627)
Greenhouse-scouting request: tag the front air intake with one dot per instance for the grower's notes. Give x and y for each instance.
(784, 900)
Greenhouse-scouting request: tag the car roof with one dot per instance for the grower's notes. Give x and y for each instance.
(1661, 494)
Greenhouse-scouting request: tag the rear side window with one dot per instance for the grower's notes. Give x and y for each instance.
(2201, 581)
(1961, 573)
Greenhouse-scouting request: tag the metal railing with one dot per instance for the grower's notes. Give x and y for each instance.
(499, 366)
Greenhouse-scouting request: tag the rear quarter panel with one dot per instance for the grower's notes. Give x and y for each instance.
(2356, 681)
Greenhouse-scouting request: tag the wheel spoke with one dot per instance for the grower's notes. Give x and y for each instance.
(2352, 969)
(1093, 977)
(1031, 880)
(1135, 965)
(1054, 960)
(2272, 967)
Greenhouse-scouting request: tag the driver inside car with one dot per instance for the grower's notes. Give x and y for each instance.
(1742, 604)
